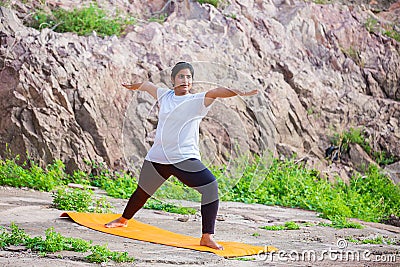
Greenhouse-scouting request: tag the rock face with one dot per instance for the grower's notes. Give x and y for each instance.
(318, 68)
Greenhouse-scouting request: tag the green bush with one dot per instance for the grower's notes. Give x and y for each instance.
(16, 237)
(82, 21)
(34, 176)
(117, 185)
(372, 197)
(55, 242)
(356, 136)
(80, 200)
(155, 204)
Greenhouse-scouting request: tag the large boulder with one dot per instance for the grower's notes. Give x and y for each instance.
(318, 68)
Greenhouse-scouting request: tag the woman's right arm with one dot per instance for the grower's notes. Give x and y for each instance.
(148, 87)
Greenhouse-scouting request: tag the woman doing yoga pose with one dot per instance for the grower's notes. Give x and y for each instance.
(175, 150)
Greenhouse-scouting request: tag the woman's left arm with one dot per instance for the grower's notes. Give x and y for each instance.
(224, 92)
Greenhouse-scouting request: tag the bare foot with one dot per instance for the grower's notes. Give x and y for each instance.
(207, 240)
(120, 222)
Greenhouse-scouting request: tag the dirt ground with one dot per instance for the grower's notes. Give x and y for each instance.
(32, 211)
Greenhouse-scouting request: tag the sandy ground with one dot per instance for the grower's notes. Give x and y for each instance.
(32, 211)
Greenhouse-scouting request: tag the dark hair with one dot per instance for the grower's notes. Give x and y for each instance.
(180, 66)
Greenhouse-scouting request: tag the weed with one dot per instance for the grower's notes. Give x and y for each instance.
(287, 226)
(378, 240)
(392, 33)
(356, 136)
(159, 18)
(34, 176)
(82, 21)
(291, 226)
(5, 3)
(16, 237)
(273, 227)
(372, 25)
(175, 189)
(155, 204)
(341, 222)
(75, 199)
(371, 197)
(214, 3)
(54, 242)
(354, 54)
(119, 186)
(72, 199)
(351, 239)
(100, 253)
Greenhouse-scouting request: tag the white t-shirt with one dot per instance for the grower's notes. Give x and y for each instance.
(177, 134)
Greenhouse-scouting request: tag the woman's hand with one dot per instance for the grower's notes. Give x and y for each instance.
(224, 92)
(133, 86)
(144, 86)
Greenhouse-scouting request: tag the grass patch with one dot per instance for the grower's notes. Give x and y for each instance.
(156, 204)
(214, 3)
(354, 54)
(340, 222)
(356, 136)
(82, 21)
(392, 33)
(273, 227)
(5, 3)
(374, 26)
(80, 200)
(158, 18)
(377, 240)
(55, 242)
(287, 226)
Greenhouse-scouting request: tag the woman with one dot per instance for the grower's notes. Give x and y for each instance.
(175, 150)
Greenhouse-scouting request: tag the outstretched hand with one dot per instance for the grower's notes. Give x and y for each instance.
(130, 86)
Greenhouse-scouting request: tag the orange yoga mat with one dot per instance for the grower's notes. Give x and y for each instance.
(145, 232)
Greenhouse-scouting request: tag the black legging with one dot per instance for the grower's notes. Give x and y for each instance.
(192, 173)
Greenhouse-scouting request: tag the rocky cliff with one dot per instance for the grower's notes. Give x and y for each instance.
(319, 69)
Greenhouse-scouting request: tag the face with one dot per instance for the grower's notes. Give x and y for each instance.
(182, 82)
